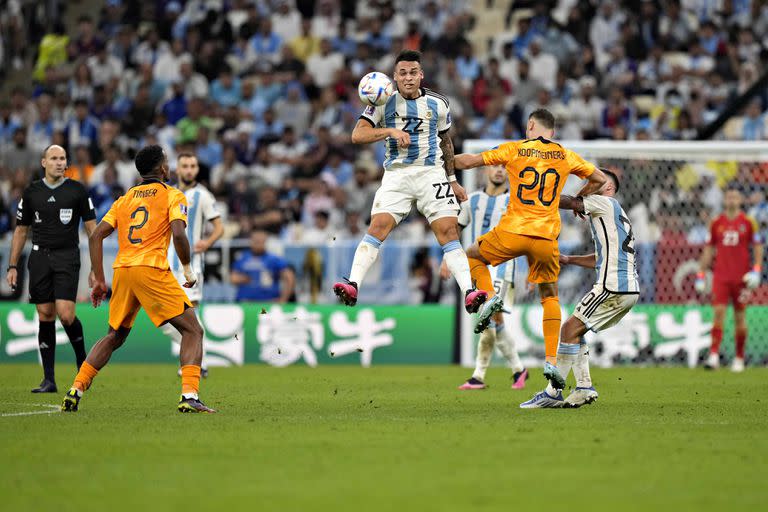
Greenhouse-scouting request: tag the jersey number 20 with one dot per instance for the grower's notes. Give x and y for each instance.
(541, 181)
(140, 225)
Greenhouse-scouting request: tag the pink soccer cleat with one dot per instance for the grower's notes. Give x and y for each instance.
(346, 292)
(473, 299)
(473, 383)
(519, 378)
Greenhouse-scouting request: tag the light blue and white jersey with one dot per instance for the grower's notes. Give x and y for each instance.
(479, 214)
(201, 208)
(614, 244)
(424, 118)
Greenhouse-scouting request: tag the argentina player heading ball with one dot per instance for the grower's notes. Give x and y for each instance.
(419, 170)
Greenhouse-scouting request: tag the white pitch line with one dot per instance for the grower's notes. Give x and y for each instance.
(54, 408)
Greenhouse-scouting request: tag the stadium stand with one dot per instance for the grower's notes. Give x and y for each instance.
(265, 91)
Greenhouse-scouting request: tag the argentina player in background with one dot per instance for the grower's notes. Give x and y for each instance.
(616, 291)
(479, 214)
(418, 169)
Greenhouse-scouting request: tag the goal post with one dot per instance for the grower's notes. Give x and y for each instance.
(671, 191)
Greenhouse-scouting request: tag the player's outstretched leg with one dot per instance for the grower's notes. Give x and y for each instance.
(365, 255)
(190, 357)
(482, 361)
(96, 360)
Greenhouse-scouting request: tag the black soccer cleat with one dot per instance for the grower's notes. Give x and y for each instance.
(71, 401)
(193, 405)
(46, 386)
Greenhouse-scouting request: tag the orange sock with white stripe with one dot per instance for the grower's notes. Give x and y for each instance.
(190, 379)
(84, 377)
(551, 324)
(481, 276)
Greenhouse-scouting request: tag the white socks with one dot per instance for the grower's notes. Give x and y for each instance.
(365, 255)
(484, 353)
(506, 346)
(581, 368)
(457, 262)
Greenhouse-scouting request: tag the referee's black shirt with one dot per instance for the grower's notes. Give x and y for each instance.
(54, 213)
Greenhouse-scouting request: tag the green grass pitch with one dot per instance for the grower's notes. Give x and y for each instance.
(384, 439)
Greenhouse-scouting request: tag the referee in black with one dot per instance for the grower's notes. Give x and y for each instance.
(53, 207)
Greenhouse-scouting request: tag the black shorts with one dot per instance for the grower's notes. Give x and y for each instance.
(53, 275)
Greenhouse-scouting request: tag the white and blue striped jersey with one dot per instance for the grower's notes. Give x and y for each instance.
(480, 213)
(424, 118)
(201, 208)
(614, 244)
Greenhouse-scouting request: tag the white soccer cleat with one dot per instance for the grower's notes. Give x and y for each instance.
(738, 365)
(579, 397)
(712, 362)
(542, 400)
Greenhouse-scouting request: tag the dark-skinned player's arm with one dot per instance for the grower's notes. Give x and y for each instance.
(181, 244)
(90, 227)
(95, 246)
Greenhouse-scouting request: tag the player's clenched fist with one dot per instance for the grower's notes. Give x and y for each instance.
(402, 138)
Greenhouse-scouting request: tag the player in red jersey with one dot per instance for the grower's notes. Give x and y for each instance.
(730, 237)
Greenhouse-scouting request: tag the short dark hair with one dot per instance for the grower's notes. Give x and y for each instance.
(545, 117)
(613, 177)
(148, 159)
(185, 154)
(408, 56)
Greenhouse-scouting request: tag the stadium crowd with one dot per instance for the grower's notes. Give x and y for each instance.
(264, 91)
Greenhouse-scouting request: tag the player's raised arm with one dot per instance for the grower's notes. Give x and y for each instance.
(365, 133)
(468, 161)
(595, 182)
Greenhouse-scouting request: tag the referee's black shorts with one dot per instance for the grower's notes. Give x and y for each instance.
(53, 274)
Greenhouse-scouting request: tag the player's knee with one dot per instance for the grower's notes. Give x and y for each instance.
(67, 317)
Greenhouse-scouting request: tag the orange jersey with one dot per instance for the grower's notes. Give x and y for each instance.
(142, 219)
(538, 170)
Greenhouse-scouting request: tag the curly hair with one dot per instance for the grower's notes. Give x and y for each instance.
(148, 159)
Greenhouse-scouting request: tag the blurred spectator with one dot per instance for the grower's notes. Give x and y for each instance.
(18, 154)
(81, 168)
(543, 66)
(261, 276)
(754, 126)
(324, 65)
(125, 172)
(225, 90)
(360, 190)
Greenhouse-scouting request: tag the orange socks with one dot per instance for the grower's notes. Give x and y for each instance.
(85, 376)
(190, 379)
(552, 317)
(481, 276)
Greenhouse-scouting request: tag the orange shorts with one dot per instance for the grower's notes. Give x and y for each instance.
(155, 290)
(543, 254)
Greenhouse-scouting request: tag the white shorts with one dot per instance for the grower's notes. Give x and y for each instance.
(428, 187)
(600, 309)
(195, 294)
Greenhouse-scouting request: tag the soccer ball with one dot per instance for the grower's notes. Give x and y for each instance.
(375, 89)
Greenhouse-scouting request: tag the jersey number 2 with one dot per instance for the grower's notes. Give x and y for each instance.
(140, 225)
(541, 181)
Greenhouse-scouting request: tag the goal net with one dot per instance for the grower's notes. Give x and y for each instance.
(671, 191)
